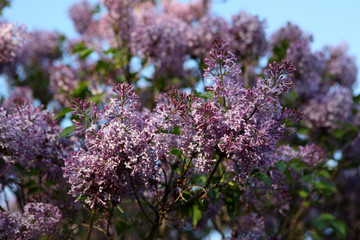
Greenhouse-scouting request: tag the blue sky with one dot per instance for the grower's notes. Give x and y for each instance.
(330, 22)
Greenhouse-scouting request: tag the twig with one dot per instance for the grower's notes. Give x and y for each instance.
(5, 170)
(90, 225)
(139, 202)
(109, 220)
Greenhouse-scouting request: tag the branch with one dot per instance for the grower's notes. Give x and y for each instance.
(139, 202)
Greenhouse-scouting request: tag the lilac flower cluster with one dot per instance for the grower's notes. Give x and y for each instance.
(18, 95)
(309, 154)
(121, 16)
(329, 110)
(309, 69)
(288, 34)
(116, 156)
(201, 34)
(158, 41)
(81, 15)
(12, 38)
(341, 67)
(37, 220)
(189, 12)
(63, 80)
(252, 116)
(30, 138)
(249, 226)
(248, 36)
(41, 48)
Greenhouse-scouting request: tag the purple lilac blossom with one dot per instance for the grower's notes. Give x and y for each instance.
(248, 36)
(25, 93)
(309, 69)
(11, 41)
(63, 81)
(81, 15)
(159, 41)
(30, 138)
(116, 154)
(37, 220)
(249, 227)
(41, 48)
(329, 110)
(189, 12)
(341, 67)
(289, 34)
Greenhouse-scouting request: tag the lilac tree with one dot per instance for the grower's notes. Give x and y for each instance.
(178, 129)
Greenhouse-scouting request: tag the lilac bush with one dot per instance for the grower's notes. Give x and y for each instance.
(104, 135)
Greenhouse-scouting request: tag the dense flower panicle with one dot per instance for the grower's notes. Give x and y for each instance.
(41, 48)
(222, 68)
(30, 137)
(63, 81)
(249, 227)
(18, 95)
(81, 15)
(253, 117)
(309, 154)
(189, 12)
(341, 67)
(309, 69)
(98, 35)
(201, 34)
(37, 220)
(12, 38)
(288, 34)
(329, 110)
(116, 153)
(249, 39)
(159, 41)
(121, 16)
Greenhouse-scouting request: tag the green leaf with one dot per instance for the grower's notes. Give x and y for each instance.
(67, 131)
(176, 151)
(78, 47)
(289, 176)
(325, 186)
(49, 183)
(176, 131)
(303, 194)
(101, 65)
(96, 98)
(29, 184)
(111, 50)
(121, 227)
(265, 178)
(323, 173)
(339, 133)
(196, 214)
(297, 165)
(339, 226)
(327, 217)
(81, 89)
(85, 53)
(62, 113)
(207, 95)
(303, 131)
(281, 165)
(33, 190)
